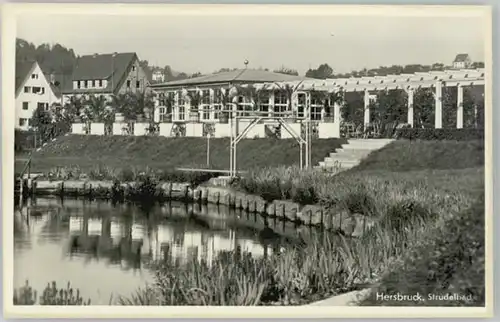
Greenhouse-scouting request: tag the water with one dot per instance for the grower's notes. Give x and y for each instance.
(104, 249)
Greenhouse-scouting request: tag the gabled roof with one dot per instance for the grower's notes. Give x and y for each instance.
(57, 84)
(461, 58)
(23, 70)
(112, 67)
(235, 76)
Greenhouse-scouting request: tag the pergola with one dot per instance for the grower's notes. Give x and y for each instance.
(435, 80)
(407, 82)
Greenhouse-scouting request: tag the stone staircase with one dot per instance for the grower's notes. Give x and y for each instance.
(351, 154)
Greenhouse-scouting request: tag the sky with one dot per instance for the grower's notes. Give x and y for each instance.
(206, 43)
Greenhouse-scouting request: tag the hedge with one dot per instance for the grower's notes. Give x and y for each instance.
(440, 134)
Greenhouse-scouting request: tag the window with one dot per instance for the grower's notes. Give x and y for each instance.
(85, 84)
(100, 83)
(133, 68)
(181, 112)
(38, 90)
(46, 106)
(264, 102)
(30, 122)
(181, 99)
(26, 105)
(34, 76)
(27, 89)
(128, 83)
(205, 101)
(244, 104)
(22, 122)
(317, 104)
(40, 105)
(217, 102)
(78, 84)
(138, 84)
(301, 104)
(93, 83)
(280, 102)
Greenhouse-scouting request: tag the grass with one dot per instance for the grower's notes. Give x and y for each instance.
(89, 151)
(405, 155)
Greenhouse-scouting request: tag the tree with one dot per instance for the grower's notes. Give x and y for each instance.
(42, 123)
(286, 71)
(327, 99)
(289, 90)
(74, 107)
(423, 107)
(388, 110)
(353, 108)
(253, 95)
(477, 64)
(195, 99)
(55, 59)
(97, 109)
(126, 105)
(324, 71)
(144, 103)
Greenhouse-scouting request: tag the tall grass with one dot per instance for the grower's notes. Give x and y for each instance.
(51, 295)
(129, 174)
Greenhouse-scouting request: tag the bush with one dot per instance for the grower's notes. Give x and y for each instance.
(440, 134)
(24, 140)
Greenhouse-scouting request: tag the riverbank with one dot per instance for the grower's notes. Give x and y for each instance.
(149, 190)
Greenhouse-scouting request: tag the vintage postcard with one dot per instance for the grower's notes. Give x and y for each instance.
(309, 160)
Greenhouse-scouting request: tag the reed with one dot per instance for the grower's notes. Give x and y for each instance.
(51, 295)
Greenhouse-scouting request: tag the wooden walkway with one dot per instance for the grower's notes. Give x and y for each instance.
(207, 170)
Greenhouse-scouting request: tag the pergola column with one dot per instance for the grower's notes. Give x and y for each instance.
(438, 120)
(367, 107)
(337, 117)
(410, 92)
(460, 106)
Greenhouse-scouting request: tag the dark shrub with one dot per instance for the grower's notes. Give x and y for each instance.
(404, 213)
(359, 202)
(440, 134)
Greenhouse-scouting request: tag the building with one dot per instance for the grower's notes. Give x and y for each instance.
(212, 88)
(106, 75)
(462, 61)
(33, 90)
(158, 76)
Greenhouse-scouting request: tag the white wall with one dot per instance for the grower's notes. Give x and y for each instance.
(48, 98)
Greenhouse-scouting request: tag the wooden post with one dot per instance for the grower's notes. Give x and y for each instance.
(438, 121)
(460, 106)
(411, 112)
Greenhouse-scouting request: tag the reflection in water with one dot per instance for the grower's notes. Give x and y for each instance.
(104, 249)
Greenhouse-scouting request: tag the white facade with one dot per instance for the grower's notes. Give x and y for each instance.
(33, 92)
(158, 76)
